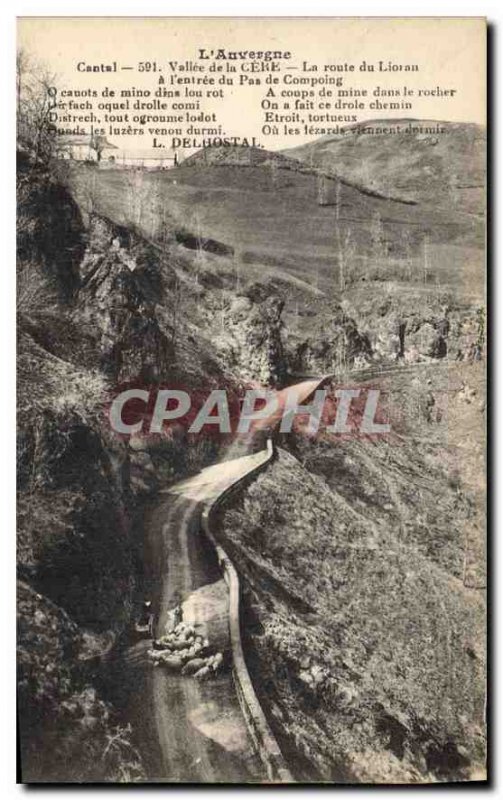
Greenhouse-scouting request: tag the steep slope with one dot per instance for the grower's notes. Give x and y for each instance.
(86, 321)
(67, 731)
(76, 552)
(117, 310)
(364, 631)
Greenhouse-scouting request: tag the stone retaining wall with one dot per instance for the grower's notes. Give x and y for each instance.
(263, 738)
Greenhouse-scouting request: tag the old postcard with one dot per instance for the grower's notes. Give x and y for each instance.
(251, 297)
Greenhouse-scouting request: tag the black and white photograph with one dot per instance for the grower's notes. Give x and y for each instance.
(251, 303)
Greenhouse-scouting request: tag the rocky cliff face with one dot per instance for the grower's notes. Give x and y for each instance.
(68, 733)
(385, 326)
(80, 493)
(120, 286)
(416, 325)
(106, 313)
(335, 344)
(250, 339)
(49, 229)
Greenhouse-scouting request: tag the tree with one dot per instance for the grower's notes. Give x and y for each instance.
(200, 261)
(89, 190)
(36, 100)
(407, 249)
(346, 258)
(176, 308)
(377, 239)
(33, 289)
(322, 189)
(222, 309)
(344, 245)
(138, 192)
(426, 258)
(98, 144)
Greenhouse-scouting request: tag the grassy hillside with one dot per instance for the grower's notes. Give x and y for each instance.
(283, 219)
(446, 169)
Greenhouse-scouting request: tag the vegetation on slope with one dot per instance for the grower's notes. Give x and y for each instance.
(362, 562)
(445, 169)
(364, 646)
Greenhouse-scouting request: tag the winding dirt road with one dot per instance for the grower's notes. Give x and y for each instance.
(196, 731)
(200, 729)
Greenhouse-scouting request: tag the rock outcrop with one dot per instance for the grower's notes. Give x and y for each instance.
(49, 231)
(251, 337)
(121, 285)
(67, 732)
(416, 326)
(336, 345)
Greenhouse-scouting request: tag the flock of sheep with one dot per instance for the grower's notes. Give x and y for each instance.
(183, 650)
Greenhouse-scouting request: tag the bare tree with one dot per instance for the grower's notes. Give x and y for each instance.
(200, 262)
(346, 258)
(238, 263)
(273, 169)
(377, 239)
(340, 246)
(89, 190)
(22, 66)
(36, 100)
(98, 144)
(322, 189)
(33, 289)
(426, 258)
(407, 247)
(177, 309)
(156, 209)
(138, 191)
(166, 225)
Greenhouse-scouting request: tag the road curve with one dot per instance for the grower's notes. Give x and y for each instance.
(199, 731)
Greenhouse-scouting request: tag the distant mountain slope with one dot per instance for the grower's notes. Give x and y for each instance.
(440, 168)
(279, 214)
(240, 156)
